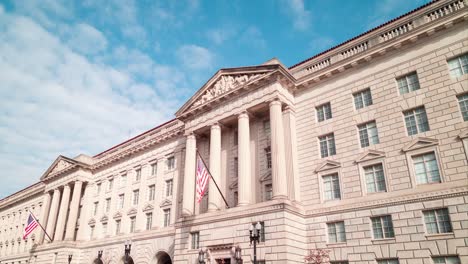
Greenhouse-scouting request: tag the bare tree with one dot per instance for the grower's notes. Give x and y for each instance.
(318, 256)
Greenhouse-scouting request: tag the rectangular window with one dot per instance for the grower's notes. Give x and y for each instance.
(324, 112)
(108, 205)
(408, 83)
(336, 232)
(375, 179)
(121, 200)
(446, 260)
(195, 240)
(437, 221)
(132, 224)
(388, 261)
(104, 229)
(123, 180)
(168, 188)
(368, 134)
(95, 209)
(167, 217)
(458, 66)
(382, 227)
(110, 184)
(426, 168)
(331, 187)
(151, 192)
(137, 175)
(170, 163)
(268, 157)
(154, 169)
(362, 98)
(327, 145)
(149, 221)
(416, 121)
(117, 227)
(136, 197)
(268, 192)
(463, 101)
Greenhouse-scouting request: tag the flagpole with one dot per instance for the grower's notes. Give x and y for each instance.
(50, 239)
(227, 205)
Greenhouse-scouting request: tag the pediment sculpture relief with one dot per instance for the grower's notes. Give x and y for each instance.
(223, 85)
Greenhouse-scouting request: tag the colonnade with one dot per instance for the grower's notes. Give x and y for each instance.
(284, 160)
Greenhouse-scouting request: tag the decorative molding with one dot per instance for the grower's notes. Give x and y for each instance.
(328, 165)
(165, 203)
(418, 143)
(370, 155)
(132, 211)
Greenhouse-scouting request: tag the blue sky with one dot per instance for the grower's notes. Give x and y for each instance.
(81, 76)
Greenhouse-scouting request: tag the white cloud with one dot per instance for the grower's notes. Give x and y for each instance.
(195, 57)
(298, 13)
(87, 39)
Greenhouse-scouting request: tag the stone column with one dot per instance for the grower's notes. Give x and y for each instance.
(289, 118)
(74, 207)
(44, 215)
(53, 213)
(214, 197)
(244, 178)
(62, 216)
(278, 157)
(189, 176)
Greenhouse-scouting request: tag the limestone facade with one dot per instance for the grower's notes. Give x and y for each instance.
(361, 150)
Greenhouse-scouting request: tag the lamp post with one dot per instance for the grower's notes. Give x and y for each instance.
(99, 254)
(254, 231)
(128, 247)
(70, 255)
(201, 256)
(238, 255)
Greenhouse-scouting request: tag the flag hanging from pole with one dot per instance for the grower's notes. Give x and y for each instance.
(30, 226)
(203, 177)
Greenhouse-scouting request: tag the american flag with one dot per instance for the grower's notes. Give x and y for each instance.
(203, 176)
(30, 226)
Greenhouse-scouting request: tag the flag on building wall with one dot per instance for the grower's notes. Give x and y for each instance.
(203, 177)
(30, 226)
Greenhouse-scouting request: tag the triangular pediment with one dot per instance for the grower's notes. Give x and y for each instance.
(226, 82)
(165, 203)
(328, 165)
(132, 211)
(421, 142)
(370, 155)
(148, 207)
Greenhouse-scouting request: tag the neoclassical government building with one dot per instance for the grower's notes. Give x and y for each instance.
(360, 150)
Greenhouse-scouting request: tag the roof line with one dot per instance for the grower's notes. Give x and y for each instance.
(362, 34)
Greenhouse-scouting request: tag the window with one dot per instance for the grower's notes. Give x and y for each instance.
(108, 204)
(170, 163)
(331, 187)
(426, 168)
(388, 261)
(168, 188)
(98, 188)
(368, 134)
(446, 260)
(149, 221)
(336, 232)
(362, 99)
(132, 224)
(137, 175)
(121, 200)
(268, 192)
(416, 121)
(104, 229)
(463, 101)
(151, 192)
(327, 145)
(408, 83)
(117, 226)
(110, 184)
(154, 169)
(437, 221)
(195, 240)
(323, 112)
(123, 180)
(375, 179)
(95, 209)
(458, 66)
(382, 227)
(136, 197)
(268, 157)
(167, 217)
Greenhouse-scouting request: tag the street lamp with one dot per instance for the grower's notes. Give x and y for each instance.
(201, 256)
(238, 255)
(128, 247)
(254, 231)
(70, 255)
(99, 254)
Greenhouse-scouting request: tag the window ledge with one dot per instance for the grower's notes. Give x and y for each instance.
(337, 244)
(383, 240)
(440, 236)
